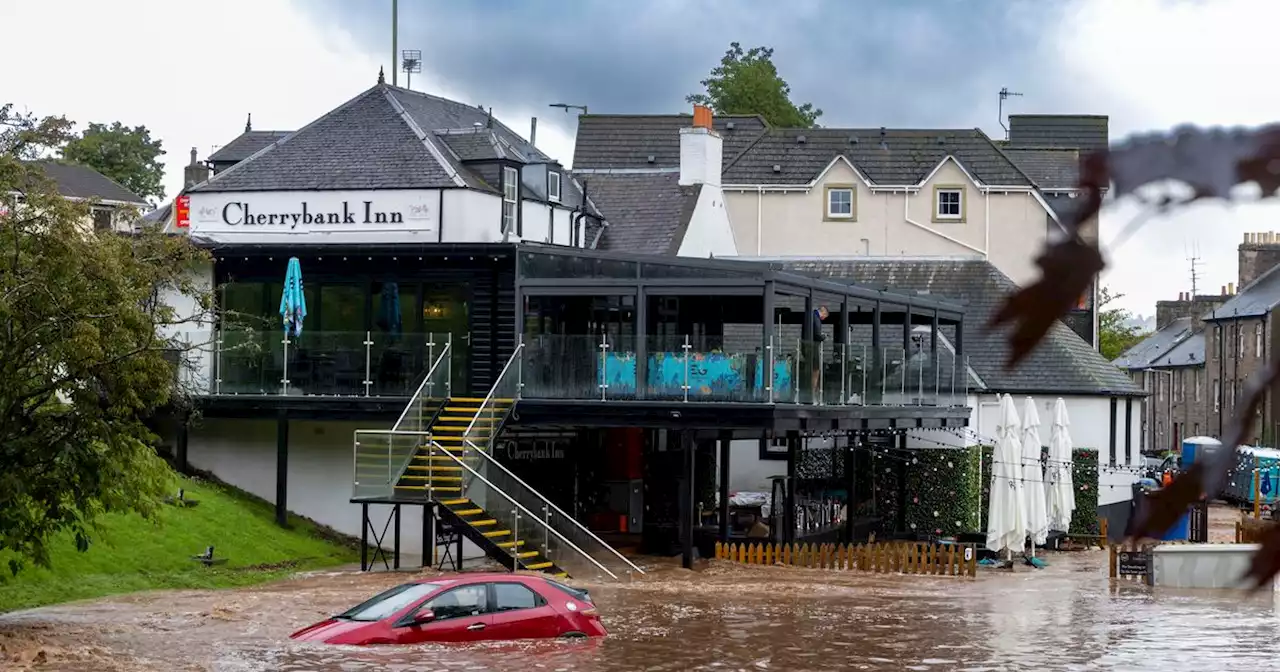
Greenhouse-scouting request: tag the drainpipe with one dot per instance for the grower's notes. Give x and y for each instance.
(986, 224)
(906, 216)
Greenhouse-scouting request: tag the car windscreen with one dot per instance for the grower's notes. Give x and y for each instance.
(388, 602)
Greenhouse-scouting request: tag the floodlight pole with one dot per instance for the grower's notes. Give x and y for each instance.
(395, 52)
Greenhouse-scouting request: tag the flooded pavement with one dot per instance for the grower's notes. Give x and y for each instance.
(718, 617)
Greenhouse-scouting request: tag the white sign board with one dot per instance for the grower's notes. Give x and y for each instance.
(316, 216)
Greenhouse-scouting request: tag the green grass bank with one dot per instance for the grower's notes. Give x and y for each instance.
(130, 554)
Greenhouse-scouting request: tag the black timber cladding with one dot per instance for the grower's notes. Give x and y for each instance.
(1062, 363)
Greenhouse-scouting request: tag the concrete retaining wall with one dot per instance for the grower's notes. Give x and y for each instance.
(1201, 565)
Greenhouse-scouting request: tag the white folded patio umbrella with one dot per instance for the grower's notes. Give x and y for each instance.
(1060, 488)
(1006, 523)
(1037, 519)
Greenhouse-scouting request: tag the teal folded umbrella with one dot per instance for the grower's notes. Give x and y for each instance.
(293, 303)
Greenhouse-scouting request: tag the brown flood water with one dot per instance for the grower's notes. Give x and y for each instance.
(717, 617)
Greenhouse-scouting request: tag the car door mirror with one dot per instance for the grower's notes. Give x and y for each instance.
(424, 616)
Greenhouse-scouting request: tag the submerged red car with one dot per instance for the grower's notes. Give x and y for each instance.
(463, 608)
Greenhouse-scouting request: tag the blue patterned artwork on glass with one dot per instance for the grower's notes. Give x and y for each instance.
(711, 375)
(619, 374)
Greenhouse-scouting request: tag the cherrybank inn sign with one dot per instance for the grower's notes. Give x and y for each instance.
(279, 214)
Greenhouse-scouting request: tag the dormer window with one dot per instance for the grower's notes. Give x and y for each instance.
(553, 186)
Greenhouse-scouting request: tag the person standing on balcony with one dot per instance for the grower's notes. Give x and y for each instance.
(815, 357)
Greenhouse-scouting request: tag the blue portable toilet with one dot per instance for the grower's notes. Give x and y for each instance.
(1195, 446)
(1258, 468)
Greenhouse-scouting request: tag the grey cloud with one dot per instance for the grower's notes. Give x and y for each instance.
(907, 63)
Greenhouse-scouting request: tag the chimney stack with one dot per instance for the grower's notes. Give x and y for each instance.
(533, 131)
(701, 150)
(195, 172)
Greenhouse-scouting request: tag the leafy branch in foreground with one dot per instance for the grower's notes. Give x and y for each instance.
(1212, 163)
(86, 350)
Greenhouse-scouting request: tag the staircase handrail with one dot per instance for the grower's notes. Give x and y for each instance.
(418, 392)
(527, 512)
(494, 461)
(515, 354)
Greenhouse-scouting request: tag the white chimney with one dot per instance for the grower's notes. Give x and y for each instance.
(701, 150)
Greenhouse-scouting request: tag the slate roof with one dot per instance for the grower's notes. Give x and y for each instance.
(898, 157)
(627, 141)
(647, 213)
(1255, 300)
(1048, 168)
(1087, 132)
(1062, 364)
(384, 138)
(245, 145)
(477, 145)
(1155, 346)
(77, 181)
(159, 215)
(1190, 352)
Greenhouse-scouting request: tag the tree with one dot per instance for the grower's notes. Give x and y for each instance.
(83, 359)
(748, 83)
(1115, 336)
(127, 155)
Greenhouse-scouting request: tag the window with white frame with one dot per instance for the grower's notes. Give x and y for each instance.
(510, 198)
(553, 186)
(1217, 395)
(1239, 340)
(1195, 384)
(1257, 341)
(948, 203)
(840, 203)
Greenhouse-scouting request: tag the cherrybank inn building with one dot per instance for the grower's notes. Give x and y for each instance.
(476, 371)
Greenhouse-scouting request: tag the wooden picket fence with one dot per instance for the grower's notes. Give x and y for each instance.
(880, 558)
(1250, 530)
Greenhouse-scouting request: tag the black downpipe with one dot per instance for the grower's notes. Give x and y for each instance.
(440, 216)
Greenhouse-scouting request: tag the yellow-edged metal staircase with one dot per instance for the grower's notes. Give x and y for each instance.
(440, 451)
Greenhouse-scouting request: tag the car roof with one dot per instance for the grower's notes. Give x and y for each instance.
(477, 577)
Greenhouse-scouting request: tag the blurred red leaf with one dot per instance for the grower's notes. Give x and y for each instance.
(1266, 562)
(1068, 269)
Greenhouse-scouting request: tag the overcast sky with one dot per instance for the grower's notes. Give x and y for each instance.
(191, 71)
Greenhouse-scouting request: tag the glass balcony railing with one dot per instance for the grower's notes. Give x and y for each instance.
(689, 369)
(318, 363)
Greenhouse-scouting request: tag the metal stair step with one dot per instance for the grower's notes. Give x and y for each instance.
(561, 575)
(415, 467)
(538, 565)
(468, 512)
(526, 554)
(496, 533)
(466, 418)
(482, 523)
(423, 487)
(432, 478)
(509, 544)
(455, 502)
